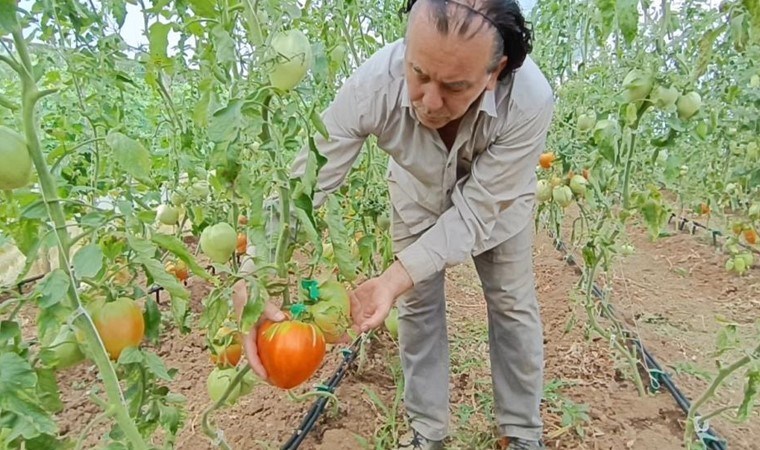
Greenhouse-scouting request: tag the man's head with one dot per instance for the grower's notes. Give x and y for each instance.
(456, 49)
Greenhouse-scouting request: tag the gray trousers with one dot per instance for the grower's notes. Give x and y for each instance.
(515, 337)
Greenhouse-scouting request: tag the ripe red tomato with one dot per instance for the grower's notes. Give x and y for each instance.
(120, 324)
(290, 351)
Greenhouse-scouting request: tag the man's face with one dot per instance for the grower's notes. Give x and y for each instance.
(446, 74)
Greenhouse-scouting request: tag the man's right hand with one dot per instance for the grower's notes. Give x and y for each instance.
(271, 312)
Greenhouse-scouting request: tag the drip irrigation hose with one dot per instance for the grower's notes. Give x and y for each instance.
(318, 407)
(659, 377)
(682, 221)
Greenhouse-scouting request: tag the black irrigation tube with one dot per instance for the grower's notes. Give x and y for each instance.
(713, 441)
(318, 407)
(682, 221)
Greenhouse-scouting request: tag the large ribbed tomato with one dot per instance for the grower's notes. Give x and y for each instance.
(120, 324)
(290, 351)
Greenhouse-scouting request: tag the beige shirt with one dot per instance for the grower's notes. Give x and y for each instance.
(497, 149)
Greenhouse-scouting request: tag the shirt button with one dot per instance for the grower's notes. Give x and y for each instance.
(448, 191)
(448, 164)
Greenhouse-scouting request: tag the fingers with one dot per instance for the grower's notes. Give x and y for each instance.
(252, 354)
(273, 313)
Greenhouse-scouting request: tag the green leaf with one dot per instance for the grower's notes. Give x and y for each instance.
(31, 420)
(158, 38)
(88, 261)
(225, 46)
(215, 310)
(8, 17)
(203, 8)
(131, 355)
(9, 330)
(226, 122)
(339, 239)
(254, 306)
(606, 10)
(751, 391)
(131, 156)
(47, 390)
(145, 255)
(119, 8)
(176, 246)
(706, 43)
(255, 36)
(15, 374)
(628, 18)
(53, 288)
(155, 365)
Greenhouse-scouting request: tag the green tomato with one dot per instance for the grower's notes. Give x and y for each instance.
(665, 98)
(754, 81)
(218, 242)
(586, 122)
(16, 167)
(167, 214)
(293, 60)
(637, 85)
(578, 185)
(332, 312)
(688, 105)
(217, 383)
(543, 191)
(563, 195)
(200, 190)
(178, 198)
(754, 210)
(391, 323)
(383, 222)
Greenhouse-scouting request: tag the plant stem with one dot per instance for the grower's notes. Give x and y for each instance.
(709, 393)
(83, 321)
(627, 175)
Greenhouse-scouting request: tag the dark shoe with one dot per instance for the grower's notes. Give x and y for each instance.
(412, 440)
(523, 444)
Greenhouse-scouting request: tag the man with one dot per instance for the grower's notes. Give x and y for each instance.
(463, 113)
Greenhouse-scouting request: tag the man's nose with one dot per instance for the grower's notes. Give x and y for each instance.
(432, 98)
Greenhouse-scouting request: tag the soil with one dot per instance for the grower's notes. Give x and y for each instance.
(669, 291)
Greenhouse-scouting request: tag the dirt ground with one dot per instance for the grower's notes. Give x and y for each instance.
(670, 290)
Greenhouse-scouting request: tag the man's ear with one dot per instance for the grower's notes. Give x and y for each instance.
(494, 77)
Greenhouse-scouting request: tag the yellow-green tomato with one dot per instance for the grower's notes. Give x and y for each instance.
(218, 242)
(15, 162)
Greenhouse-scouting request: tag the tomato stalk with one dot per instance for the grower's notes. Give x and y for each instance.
(281, 254)
(723, 373)
(82, 320)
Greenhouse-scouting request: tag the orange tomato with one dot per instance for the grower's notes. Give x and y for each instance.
(750, 236)
(242, 244)
(178, 269)
(546, 159)
(291, 351)
(120, 325)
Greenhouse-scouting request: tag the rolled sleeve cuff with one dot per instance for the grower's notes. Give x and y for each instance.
(418, 262)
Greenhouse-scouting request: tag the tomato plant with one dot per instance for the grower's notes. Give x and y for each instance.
(291, 351)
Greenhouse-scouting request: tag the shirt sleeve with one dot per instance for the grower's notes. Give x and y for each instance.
(348, 120)
(500, 176)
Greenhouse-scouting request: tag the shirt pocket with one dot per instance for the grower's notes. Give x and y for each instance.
(415, 217)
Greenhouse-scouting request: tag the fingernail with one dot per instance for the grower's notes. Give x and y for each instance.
(279, 316)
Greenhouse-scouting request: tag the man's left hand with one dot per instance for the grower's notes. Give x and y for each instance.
(372, 301)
